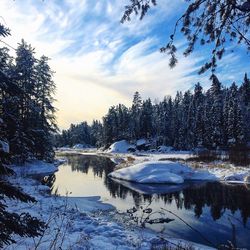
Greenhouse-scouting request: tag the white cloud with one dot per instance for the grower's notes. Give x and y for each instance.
(98, 61)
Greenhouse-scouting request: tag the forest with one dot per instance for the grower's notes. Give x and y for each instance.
(27, 121)
(26, 104)
(216, 118)
(56, 197)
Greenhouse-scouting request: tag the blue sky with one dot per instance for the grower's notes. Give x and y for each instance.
(100, 62)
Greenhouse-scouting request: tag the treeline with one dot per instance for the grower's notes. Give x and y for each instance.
(218, 117)
(27, 114)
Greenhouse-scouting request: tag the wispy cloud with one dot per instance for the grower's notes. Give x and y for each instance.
(99, 61)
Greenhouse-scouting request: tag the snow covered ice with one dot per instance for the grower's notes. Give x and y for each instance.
(161, 172)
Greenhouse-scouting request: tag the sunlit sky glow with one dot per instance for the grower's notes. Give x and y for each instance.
(100, 62)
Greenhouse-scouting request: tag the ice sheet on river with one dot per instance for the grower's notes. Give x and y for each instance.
(161, 172)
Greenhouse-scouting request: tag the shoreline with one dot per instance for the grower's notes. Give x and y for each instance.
(84, 221)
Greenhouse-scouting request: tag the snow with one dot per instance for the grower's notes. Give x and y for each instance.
(120, 147)
(87, 222)
(35, 167)
(89, 204)
(164, 149)
(161, 172)
(141, 142)
(4, 146)
(80, 146)
(231, 174)
(76, 222)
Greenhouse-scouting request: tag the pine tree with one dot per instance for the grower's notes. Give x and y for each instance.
(244, 91)
(24, 76)
(10, 95)
(234, 124)
(110, 124)
(216, 112)
(184, 115)
(135, 122)
(44, 118)
(176, 120)
(146, 130)
(196, 118)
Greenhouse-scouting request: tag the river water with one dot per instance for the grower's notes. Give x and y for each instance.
(219, 212)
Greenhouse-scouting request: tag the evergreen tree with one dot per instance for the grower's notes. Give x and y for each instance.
(234, 124)
(176, 120)
(146, 123)
(24, 76)
(196, 119)
(43, 119)
(11, 116)
(216, 112)
(217, 118)
(184, 115)
(135, 121)
(244, 91)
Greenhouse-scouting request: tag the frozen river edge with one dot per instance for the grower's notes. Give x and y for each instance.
(80, 225)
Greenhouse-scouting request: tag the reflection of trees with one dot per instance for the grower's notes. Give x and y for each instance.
(99, 165)
(217, 196)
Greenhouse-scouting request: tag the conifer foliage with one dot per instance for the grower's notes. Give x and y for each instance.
(26, 122)
(26, 103)
(216, 118)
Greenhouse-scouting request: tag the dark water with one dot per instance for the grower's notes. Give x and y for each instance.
(218, 211)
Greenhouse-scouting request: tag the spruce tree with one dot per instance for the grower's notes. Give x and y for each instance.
(44, 119)
(136, 116)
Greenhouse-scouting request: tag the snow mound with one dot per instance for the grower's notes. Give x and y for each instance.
(80, 146)
(121, 147)
(4, 146)
(161, 172)
(35, 167)
(165, 149)
(141, 142)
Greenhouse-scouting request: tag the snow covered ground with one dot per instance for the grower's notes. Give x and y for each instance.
(223, 171)
(72, 223)
(80, 223)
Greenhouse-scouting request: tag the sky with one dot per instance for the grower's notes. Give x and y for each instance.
(99, 62)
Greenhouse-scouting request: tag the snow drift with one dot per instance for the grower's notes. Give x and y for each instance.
(121, 147)
(161, 172)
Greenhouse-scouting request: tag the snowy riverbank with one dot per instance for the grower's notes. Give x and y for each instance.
(222, 171)
(73, 223)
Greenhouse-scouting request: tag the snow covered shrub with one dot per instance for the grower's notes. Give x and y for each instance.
(11, 223)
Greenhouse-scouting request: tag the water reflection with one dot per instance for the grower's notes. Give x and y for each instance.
(217, 196)
(205, 205)
(100, 165)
